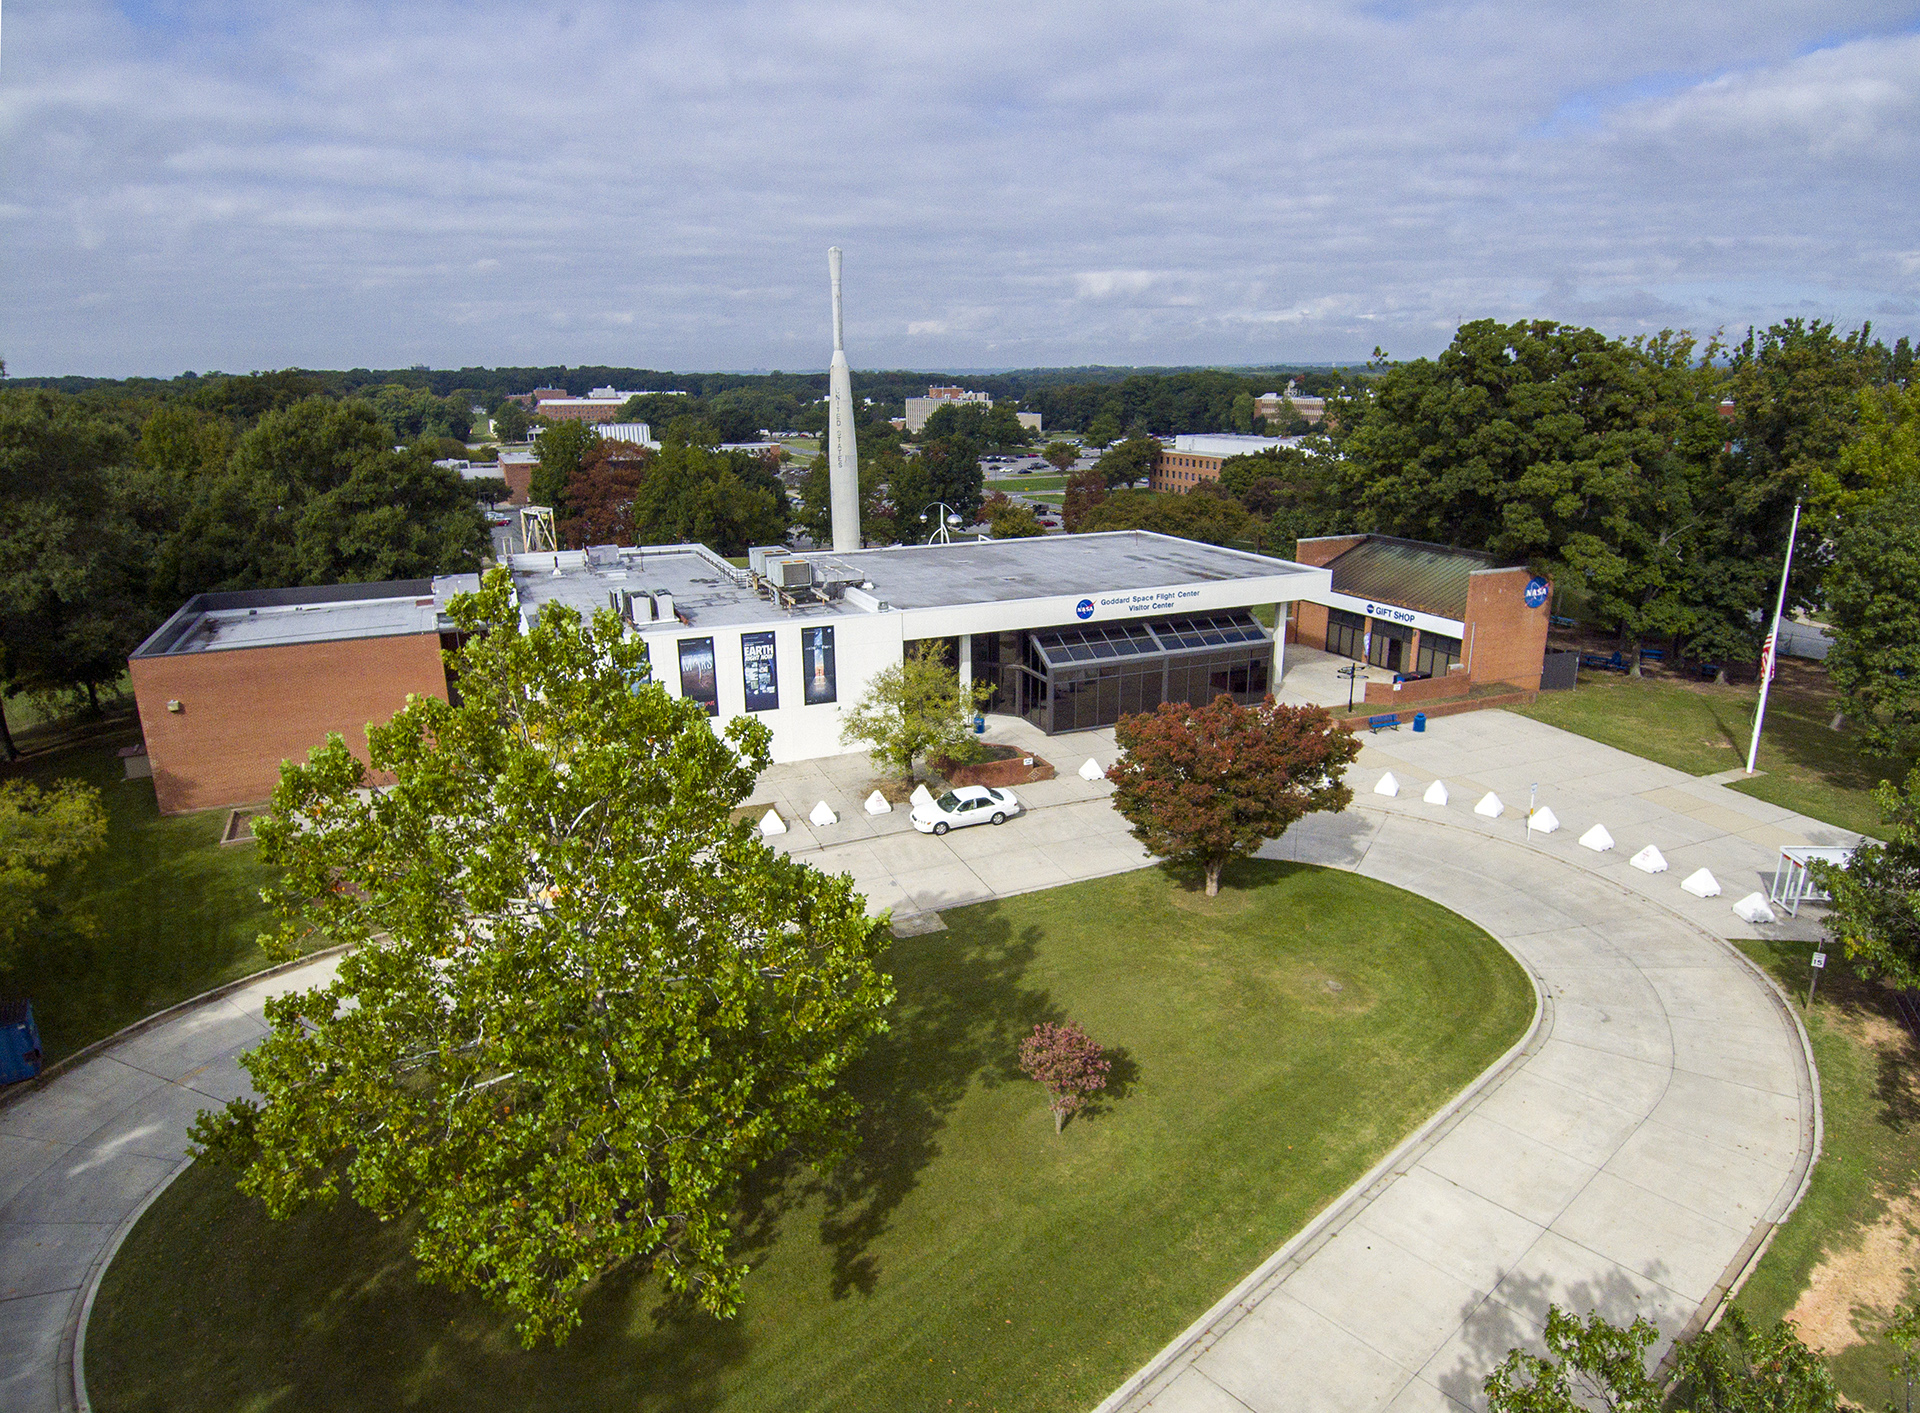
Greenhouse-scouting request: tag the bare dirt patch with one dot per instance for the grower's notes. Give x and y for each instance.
(1861, 1285)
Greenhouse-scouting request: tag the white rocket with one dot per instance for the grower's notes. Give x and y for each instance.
(843, 457)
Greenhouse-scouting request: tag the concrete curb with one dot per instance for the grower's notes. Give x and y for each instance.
(127, 1032)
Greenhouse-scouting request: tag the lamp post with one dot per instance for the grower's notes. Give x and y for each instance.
(947, 521)
(1350, 672)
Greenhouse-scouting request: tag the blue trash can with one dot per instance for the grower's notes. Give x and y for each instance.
(979, 725)
(19, 1042)
(1419, 721)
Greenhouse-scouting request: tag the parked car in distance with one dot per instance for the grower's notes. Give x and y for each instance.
(964, 805)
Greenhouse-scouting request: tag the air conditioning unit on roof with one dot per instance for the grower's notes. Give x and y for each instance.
(793, 573)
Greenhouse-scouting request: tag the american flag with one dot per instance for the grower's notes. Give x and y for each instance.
(1767, 664)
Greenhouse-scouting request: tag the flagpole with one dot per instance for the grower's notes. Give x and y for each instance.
(1772, 654)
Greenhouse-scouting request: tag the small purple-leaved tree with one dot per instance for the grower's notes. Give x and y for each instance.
(1068, 1062)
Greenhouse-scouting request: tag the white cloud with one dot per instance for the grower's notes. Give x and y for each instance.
(258, 186)
(1105, 284)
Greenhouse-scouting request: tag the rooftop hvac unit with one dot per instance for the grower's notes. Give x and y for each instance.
(792, 573)
(636, 608)
(603, 556)
(759, 555)
(664, 602)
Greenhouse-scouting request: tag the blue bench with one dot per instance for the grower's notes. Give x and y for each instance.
(1389, 722)
(1559, 622)
(1653, 654)
(1616, 663)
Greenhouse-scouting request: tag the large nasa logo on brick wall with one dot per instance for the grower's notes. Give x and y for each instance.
(1083, 609)
(1537, 591)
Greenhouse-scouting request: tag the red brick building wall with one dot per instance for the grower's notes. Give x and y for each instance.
(244, 710)
(1312, 617)
(1509, 640)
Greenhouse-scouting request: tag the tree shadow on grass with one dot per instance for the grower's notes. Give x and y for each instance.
(962, 1014)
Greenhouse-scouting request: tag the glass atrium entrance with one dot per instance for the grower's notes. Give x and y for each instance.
(1092, 674)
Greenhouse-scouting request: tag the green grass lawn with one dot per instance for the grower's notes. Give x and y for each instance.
(1869, 1159)
(1026, 485)
(1275, 1042)
(1703, 729)
(174, 911)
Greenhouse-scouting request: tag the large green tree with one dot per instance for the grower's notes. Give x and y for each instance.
(41, 832)
(1873, 604)
(316, 494)
(561, 447)
(582, 1003)
(695, 493)
(1875, 916)
(75, 555)
(1205, 513)
(1129, 463)
(1201, 785)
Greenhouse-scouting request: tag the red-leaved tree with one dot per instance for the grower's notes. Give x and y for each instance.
(1201, 784)
(1068, 1062)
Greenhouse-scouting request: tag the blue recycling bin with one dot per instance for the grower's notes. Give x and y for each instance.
(1419, 721)
(979, 724)
(19, 1042)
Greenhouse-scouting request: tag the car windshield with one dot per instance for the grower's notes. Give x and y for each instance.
(948, 802)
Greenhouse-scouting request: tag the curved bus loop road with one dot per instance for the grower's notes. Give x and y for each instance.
(1633, 1153)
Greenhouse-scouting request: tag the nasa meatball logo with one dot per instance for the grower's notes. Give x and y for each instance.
(1084, 609)
(1537, 590)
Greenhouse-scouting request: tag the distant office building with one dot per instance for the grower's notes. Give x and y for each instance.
(638, 432)
(600, 405)
(1187, 460)
(919, 409)
(1273, 405)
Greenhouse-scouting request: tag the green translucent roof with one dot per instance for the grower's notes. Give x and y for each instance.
(1410, 573)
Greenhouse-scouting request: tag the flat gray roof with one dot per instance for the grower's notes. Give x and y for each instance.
(996, 571)
(260, 618)
(709, 590)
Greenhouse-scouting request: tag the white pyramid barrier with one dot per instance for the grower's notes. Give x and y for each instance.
(921, 795)
(1436, 793)
(1388, 786)
(823, 815)
(1701, 884)
(771, 823)
(1490, 806)
(1543, 821)
(1753, 908)
(1649, 860)
(877, 804)
(1092, 771)
(1597, 839)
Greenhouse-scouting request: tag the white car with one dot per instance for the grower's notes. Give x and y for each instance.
(966, 804)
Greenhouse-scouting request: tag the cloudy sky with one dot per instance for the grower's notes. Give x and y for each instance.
(208, 184)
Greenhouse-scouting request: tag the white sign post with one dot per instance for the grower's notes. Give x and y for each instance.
(1819, 965)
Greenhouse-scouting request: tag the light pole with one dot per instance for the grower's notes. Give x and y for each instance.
(946, 523)
(1350, 672)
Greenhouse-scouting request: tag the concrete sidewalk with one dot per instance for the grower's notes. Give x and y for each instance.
(81, 1156)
